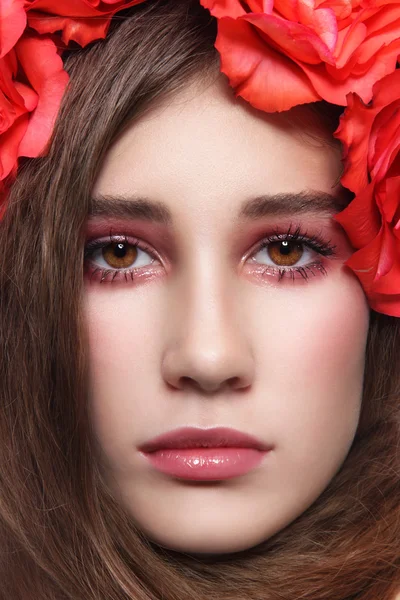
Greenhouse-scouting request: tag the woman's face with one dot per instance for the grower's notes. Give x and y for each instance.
(212, 330)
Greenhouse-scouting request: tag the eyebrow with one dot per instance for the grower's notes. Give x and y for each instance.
(142, 208)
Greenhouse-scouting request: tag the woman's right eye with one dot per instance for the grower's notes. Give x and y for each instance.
(120, 255)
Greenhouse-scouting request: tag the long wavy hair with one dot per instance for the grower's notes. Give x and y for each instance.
(62, 533)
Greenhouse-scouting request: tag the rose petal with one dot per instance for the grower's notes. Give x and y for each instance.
(383, 28)
(359, 128)
(341, 8)
(349, 40)
(361, 219)
(383, 122)
(296, 40)
(387, 197)
(29, 96)
(386, 90)
(224, 8)
(253, 69)
(10, 144)
(8, 113)
(364, 262)
(386, 145)
(12, 24)
(78, 8)
(353, 131)
(321, 20)
(390, 282)
(8, 70)
(289, 9)
(82, 32)
(49, 79)
(387, 305)
(14, 117)
(388, 249)
(89, 21)
(63, 8)
(335, 91)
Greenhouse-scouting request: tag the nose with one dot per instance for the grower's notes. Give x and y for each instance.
(207, 349)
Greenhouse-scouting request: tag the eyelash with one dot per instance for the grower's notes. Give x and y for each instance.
(314, 242)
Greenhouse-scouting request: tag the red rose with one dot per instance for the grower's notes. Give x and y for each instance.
(32, 75)
(16, 102)
(13, 23)
(30, 96)
(90, 22)
(278, 54)
(371, 141)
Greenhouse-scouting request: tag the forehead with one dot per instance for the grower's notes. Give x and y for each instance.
(204, 149)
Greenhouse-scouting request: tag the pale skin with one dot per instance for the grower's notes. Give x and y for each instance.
(200, 338)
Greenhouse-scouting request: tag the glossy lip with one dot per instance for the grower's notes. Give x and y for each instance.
(205, 464)
(193, 437)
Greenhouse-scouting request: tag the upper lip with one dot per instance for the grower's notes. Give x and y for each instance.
(193, 437)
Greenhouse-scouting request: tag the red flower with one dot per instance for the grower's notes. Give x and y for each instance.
(280, 53)
(90, 20)
(13, 23)
(371, 140)
(30, 96)
(32, 75)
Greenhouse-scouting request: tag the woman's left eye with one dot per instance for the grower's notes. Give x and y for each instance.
(293, 254)
(285, 253)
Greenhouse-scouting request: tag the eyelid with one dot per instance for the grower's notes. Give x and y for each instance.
(97, 243)
(315, 242)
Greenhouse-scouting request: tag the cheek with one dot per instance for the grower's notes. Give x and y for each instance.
(120, 328)
(120, 355)
(316, 361)
(332, 332)
(321, 327)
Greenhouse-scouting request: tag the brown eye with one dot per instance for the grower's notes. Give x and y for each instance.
(119, 255)
(285, 253)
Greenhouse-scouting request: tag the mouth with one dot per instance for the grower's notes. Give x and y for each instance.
(205, 454)
(193, 437)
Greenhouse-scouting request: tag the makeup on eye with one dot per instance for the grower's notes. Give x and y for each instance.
(293, 253)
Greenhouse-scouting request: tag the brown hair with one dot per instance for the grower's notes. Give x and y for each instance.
(62, 534)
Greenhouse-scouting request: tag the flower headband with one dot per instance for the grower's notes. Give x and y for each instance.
(341, 51)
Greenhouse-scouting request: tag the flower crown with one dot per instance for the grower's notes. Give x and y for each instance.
(341, 51)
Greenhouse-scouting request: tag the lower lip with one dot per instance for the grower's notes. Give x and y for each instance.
(205, 464)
